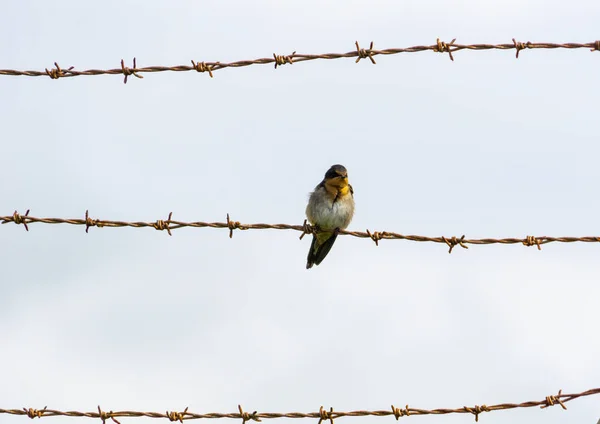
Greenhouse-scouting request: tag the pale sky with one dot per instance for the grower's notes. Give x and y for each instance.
(486, 146)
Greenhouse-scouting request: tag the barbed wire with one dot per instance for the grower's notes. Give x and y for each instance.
(280, 60)
(170, 224)
(322, 415)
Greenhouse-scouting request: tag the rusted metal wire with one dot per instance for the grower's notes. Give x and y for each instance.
(280, 60)
(170, 224)
(322, 415)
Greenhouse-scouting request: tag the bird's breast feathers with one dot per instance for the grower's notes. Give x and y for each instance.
(329, 210)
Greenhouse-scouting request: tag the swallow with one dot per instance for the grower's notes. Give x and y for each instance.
(330, 209)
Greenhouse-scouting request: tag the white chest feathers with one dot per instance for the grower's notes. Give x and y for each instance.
(330, 215)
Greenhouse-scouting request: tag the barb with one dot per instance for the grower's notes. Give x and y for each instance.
(322, 415)
(279, 60)
(169, 225)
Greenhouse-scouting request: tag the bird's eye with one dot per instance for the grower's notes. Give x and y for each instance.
(335, 173)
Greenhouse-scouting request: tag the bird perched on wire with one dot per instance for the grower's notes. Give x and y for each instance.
(330, 209)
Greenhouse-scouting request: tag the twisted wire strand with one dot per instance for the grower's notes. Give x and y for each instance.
(170, 224)
(279, 60)
(322, 415)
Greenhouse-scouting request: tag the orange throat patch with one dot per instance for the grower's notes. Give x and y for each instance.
(336, 191)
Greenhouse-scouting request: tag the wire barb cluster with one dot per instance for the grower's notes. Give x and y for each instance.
(323, 415)
(279, 60)
(170, 224)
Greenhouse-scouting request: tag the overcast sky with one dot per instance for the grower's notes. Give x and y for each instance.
(487, 146)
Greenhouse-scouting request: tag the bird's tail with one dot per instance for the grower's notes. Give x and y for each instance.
(319, 248)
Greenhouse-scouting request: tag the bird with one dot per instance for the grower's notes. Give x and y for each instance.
(330, 209)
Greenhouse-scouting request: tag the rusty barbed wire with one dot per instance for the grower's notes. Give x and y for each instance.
(170, 224)
(322, 415)
(280, 60)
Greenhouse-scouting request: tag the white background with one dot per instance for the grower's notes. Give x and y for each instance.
(486, 146)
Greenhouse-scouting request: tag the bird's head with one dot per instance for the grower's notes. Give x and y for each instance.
(337, 176)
